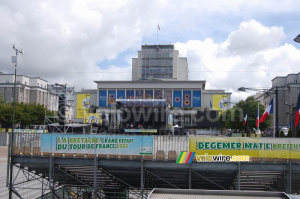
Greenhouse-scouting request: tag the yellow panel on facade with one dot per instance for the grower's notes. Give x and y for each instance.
(82, 105)
(253, 147)
(219, 102)
(90, 118)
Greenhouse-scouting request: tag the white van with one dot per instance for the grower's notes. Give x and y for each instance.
(285, 131)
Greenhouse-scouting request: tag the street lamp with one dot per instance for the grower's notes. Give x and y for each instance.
(243, 89)
(10, 135)
(297, 39)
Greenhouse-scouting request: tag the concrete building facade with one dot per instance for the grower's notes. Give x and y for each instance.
(284, 92)
(159, 62)
(157, 73)
(29, 90)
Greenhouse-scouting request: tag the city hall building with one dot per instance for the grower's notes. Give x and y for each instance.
(158, 73)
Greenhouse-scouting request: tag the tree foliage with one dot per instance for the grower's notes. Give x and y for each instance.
(234, 117)
(1, 98)
(25, 114)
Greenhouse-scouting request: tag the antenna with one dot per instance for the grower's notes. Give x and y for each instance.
(17, 51)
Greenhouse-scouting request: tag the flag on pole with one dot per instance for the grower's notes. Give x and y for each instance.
(245, 119)
(297, 111)
(269, 110)
(257, 116)
(158, 27)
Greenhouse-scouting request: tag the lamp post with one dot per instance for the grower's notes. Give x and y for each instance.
(297, 39)
(10, 135)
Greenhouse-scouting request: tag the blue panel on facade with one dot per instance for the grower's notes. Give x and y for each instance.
(196, 99)
(102, 98)
(177, 99)
(111, 97)
(187, 98)
(130, 94)
(149, 94)
(121, 94)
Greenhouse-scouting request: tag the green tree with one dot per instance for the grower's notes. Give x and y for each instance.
(1, 99)
(234, 117)
(25, 114)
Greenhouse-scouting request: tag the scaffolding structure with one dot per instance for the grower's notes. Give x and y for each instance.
(65, 93)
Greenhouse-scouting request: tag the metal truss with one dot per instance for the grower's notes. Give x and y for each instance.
(161, 178)
(29, 180)
(69, 92)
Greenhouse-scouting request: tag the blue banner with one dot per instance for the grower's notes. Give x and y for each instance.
(177, 99)
(111, 97)
(97, 144)
(157, 94)
(197, 99)
(149, 94)
(120, 94)
(139, 94)
(130, 94)
(187, 99)
(102, 98)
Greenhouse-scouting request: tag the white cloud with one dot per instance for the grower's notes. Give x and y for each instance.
(252, 37)
(252, 67)
(65, 41)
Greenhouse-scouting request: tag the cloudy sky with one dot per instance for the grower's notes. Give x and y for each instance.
(228, 43)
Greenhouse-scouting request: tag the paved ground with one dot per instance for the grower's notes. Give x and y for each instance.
(28, 190)
(3, 154)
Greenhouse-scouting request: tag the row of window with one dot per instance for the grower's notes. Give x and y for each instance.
(152, 71)
(157, 54)
(157, 47)
(157, 62)
(160, 76)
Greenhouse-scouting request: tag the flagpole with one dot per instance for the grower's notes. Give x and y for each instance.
(157, 35)
(274, 117)
(258, 115)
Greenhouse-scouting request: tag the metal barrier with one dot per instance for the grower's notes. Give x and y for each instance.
(26, 143)
(168, 143)
(164, 146)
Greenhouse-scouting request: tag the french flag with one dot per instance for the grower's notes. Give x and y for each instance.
(269, 110)
(257, 118)
(245, 119)
(297, 111)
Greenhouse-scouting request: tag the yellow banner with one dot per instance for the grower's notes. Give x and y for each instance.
(219, 102)
(82, 105)
(90, 118)
(254, 147)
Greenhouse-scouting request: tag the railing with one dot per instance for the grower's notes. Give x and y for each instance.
(28, 143)
(164, 146)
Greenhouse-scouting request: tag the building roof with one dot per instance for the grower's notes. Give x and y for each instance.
(153, 81)
(285, 76)
(212, 194)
